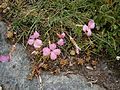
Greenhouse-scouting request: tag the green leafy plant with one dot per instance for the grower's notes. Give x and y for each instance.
(53, 16)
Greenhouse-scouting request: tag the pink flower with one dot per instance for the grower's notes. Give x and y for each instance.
(89, 32)
(34, 41)
(46, 51)
(52, 51)
(61, 35)
(53, 56)
(60, 42)
(91, 24)
(4, 58)
(35, 35)
(57, 51)
(30, 41)
(52, 46)
(87, 29)
(37, 43)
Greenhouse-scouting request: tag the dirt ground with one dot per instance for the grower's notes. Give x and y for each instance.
(96, 71)
(103, 76)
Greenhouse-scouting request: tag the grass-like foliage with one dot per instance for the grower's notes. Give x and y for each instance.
(49, 17)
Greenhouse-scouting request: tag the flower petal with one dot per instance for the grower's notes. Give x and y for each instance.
(32, 37)
(53, 56)
(4, 58)
(30, 41)
(89, 32)
(37, 43)
(46, 51)
(52, 46)
(36, 34)
(60, 42)
(85, 28)
(61, 35)
(91, 24)
(57, 51)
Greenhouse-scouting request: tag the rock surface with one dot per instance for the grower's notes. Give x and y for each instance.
(13, 74)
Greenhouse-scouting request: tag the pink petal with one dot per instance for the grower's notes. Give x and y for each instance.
(61, 35)
(32, 37)
(88, 33)
(52, 46)
(4, 58)
(46, 51)
(91, 24)
(37, 43)
(60, 42)
(57, 51)
(85, 28)
(53, 56)
(30, 41)
(36, 34)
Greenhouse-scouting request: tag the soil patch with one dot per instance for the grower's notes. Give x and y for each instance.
(95, 70)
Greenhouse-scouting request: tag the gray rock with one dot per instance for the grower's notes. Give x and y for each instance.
(13, 74)
(61, 82)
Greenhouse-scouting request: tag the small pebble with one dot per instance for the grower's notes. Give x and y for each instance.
(0, 88)
(89, 67)
(118, 57)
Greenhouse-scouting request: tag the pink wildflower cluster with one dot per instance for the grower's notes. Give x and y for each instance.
(61, 40)
(87, 28)
(52, 50)
(33, 40)
(4, 58)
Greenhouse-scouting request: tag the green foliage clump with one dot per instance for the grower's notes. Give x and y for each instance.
(53, 16)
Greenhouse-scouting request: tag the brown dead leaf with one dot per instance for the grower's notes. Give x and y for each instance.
(35, 70)
(81, 62)
(88, 58)
(30, 77)
(88, 53)
(63, 62)
(35, 52)
(56, 71)
(13, 48)
(45, 66)
(6, 9)
(1, 16)
(9, 34)
(94, 62)
(109, 1)
(3, 5)
(72, 63)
